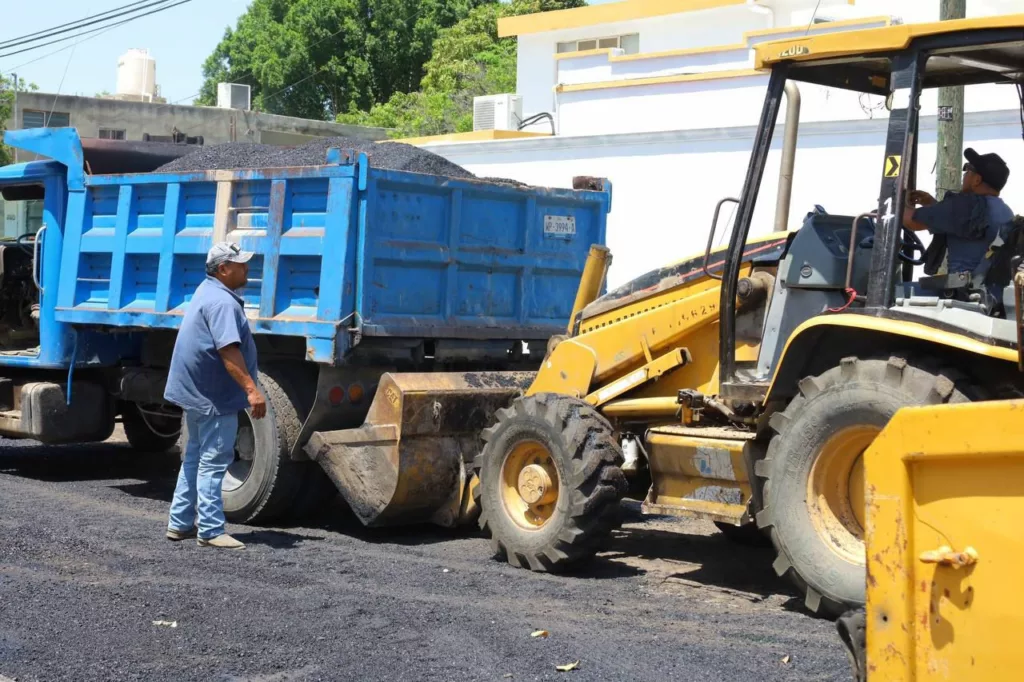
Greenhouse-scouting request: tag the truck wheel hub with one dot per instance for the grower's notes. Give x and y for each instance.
(536, 486)
(835, 491)
(529, 485)
(245, 452)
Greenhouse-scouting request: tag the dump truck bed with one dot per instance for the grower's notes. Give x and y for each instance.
(343, 251)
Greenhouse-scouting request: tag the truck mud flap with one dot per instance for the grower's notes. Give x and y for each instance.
(407, 463)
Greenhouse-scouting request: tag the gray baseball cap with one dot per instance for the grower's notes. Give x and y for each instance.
(226, 252)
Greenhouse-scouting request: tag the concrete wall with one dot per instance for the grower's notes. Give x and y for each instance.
(89, 114)
(728, 102)
(676, 144)
(541, 71)
(666, 184)
(538, 72)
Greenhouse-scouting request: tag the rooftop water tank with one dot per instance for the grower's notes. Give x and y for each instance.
(136, 75)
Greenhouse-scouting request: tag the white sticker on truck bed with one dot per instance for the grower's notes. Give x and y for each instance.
(559, 225)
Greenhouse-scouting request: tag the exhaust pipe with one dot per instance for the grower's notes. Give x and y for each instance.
(788, 157)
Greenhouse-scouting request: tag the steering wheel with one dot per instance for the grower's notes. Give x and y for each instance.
(911, 244)
(23, 242)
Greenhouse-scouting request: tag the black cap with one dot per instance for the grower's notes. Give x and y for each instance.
(990, 167)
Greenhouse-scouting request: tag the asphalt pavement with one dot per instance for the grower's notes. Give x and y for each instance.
(91, 590)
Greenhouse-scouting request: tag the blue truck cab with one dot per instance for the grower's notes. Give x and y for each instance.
(358, 271)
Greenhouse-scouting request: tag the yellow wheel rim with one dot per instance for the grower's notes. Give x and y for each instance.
(835, 491)
(529, 485)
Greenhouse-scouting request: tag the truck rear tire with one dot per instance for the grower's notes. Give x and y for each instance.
(814, 492)
(264, 481)
(149, 433)
(550, 482)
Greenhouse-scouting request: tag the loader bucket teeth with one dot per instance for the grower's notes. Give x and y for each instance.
(410, 460)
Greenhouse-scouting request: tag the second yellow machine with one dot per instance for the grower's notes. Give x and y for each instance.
(742, 386)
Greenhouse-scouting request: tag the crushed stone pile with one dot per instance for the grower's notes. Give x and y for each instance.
(387, 155)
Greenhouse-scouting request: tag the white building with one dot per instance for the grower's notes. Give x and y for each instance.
(660, 97)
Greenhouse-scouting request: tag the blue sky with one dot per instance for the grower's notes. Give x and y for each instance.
(179, 39)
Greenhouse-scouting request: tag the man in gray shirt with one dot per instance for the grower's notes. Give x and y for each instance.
(969, 220)
(212, 378)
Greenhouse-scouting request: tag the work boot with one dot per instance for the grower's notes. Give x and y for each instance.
(179, 535)
(223, 541)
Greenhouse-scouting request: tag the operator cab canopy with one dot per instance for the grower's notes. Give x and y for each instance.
(861, 60)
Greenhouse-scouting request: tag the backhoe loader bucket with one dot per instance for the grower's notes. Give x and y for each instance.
(407, 463)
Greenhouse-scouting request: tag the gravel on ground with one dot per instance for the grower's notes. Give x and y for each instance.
(91, 590)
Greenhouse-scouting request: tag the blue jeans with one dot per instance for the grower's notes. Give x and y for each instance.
(209, 452)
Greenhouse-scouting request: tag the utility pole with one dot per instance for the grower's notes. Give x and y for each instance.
(14, 113)
(950, 141)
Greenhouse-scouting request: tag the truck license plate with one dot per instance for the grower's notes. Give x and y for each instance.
(559, 225)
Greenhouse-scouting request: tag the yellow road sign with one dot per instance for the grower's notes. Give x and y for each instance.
(892, 166)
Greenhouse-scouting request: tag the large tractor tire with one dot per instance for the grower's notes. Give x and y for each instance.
(814, 487)
(263, 482)
(550, 482)
(149, 432)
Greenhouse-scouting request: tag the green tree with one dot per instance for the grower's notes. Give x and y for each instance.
(7, 111)
(467, 60)
(317, 58)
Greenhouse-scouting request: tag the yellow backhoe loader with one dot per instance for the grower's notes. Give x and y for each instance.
(742, 385)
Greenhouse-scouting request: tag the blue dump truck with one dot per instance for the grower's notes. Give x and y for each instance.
(368, 285)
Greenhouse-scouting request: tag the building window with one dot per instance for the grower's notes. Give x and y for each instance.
(45, 119)
(630, 44)
(111, 134)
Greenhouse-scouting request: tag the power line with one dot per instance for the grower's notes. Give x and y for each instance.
(60, 86)
(814, 15)
(59, 50)
(79, 23)
(301, 80)
(100, 29)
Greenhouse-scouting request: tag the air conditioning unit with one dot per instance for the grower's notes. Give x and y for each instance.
(234, 96)
(497, 112)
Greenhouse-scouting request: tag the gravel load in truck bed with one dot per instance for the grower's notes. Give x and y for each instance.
(388, 155)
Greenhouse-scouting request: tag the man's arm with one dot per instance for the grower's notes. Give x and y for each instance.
(916, 197)
(234, 363)
(909, 222)
(223, 325)
(938, 217)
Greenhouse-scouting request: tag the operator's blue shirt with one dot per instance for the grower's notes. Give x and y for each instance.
(970, 223)
(198, 380)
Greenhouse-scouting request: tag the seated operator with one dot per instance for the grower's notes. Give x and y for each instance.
(967, 223)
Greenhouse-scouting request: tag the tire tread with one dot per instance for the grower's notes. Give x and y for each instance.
(922, 381)
(596, 481)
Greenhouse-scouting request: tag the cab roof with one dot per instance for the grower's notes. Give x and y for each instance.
(966, 51)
